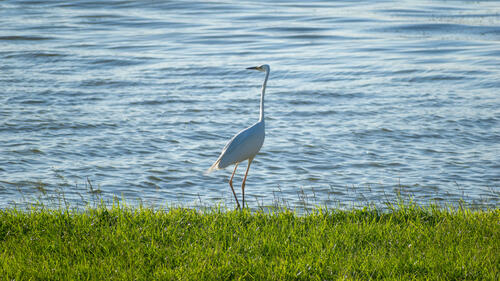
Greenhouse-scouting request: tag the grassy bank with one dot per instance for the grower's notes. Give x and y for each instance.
(408, 242)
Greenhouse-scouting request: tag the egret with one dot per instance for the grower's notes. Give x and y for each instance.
(245, 144)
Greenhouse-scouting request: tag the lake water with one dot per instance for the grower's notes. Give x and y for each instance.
(365, 100)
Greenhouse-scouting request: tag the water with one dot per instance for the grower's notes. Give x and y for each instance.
(365, 99)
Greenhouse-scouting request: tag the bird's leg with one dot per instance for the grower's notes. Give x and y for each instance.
(231, 185)
(244, 180)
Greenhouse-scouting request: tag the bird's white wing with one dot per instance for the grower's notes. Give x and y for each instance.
(235, 140)
(242, 146)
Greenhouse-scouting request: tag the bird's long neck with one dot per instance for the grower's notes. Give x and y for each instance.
(261, 118)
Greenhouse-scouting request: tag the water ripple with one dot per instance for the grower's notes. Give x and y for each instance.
(365, 100)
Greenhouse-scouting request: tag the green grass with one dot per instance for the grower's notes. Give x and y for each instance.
(120, 243)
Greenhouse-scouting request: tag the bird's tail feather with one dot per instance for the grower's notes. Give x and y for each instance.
(215, 166)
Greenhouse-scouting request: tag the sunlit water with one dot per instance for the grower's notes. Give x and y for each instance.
(365, 100)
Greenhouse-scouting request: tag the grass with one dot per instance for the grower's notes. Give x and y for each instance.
(407, 242)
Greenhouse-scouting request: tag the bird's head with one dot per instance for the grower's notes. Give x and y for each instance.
(262, 68)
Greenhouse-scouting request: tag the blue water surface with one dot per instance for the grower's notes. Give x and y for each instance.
(135, 99)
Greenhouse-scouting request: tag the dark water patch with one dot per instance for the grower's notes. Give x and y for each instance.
(104, 82)
(488, 84)
(491, 53)
(36, 57)
(24, 38)
(84, 4)
(31, 2)
(150, 102)
(405, 12)
(115, 62)
(431, 78)
(442, 28)
(213, 41)
(37, 125)
(29, 151)
(100, 16)
(434, 51)
(293, 29)
(316, 37)
(351, 19)
(34, 102)
(310, 5)
(265, 17)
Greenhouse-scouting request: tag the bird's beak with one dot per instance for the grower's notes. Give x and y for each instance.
(254, 67)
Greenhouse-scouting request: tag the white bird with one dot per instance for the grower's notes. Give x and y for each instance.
(246, 144)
